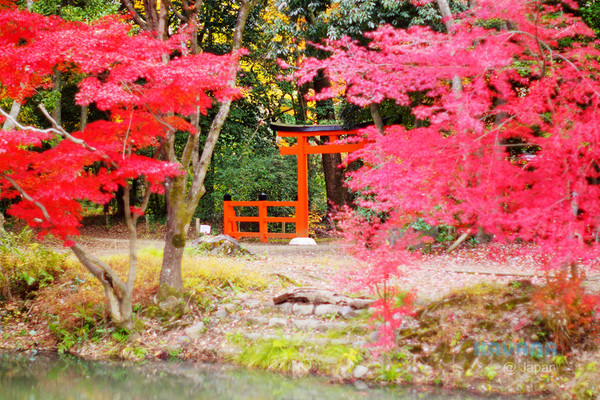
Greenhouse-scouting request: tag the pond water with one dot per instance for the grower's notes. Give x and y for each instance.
(48, 377)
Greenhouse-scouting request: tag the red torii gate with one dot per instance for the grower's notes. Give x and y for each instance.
(301, 149)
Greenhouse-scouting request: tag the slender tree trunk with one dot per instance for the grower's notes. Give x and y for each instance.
(446, 13)
(337, 193)
(171, 280)
(2, 220)
(14, 114)
(178, 219)
(184, 192)
(9, 124)
(376, 116)
(118, 293)
(301, 114)
(57, 113)
(83, 117)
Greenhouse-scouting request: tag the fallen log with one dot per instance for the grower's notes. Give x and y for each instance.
(321, 296)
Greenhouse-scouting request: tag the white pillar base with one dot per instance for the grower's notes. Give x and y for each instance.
(303, 241)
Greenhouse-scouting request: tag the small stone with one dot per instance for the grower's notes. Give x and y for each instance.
(305, 324)
(303, 309)
(330, 326)
(243, 296)
(277, 322)
(169, 304)
(228, 352)
(360, 385)
(195, 331)
(299, 369)
(341, 342)
(347, 312)
(361, 303)
(373, 337)
(229, 307)
(360, 371)
(327, 309)
(221, 314)
(344, 372)
(257, 320)
(220, 244)
(285, 307)
(252, 335)
(268, 305)
(251, 303)
(183, 340)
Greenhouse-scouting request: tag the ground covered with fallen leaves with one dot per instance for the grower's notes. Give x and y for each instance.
(477, 294)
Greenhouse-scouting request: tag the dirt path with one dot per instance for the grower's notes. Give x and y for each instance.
(327, 266)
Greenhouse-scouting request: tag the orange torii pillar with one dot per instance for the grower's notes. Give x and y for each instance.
(302, 149)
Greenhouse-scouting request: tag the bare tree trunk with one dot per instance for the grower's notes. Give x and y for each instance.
(182, 198)
(301, 116)
(14, 114)
(57, 113)
(9, 123)
(118, 293)
(337, 193)
(376, 116)
(83, 118)
(446, 13)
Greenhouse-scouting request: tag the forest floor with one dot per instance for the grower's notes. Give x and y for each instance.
(476, 294)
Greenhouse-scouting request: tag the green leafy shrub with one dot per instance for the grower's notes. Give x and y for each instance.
(26, 266)
(280, 355)
(566, 311)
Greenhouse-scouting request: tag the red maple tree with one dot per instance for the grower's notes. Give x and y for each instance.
(512, 146)
(146, 85)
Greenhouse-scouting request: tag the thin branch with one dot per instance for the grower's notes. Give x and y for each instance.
(62, 132)
(496, 128)
(59, 130)
(197, 189)
(170, 5)
(136, 16)
(27, 128)
(27, 197)
(9, 123)
(127, 133)
(96, 266)
(145, 200)
(561, 57)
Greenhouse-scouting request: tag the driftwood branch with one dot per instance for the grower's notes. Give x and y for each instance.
(321, 296)
(458, 241)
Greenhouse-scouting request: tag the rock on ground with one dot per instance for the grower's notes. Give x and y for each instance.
(220, 244)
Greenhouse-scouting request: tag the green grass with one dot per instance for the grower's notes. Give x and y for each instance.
(280, 354)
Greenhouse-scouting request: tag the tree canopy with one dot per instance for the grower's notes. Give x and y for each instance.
(512, 148)
(146, 86)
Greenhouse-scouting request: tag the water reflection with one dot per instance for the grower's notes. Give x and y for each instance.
(46, 377)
